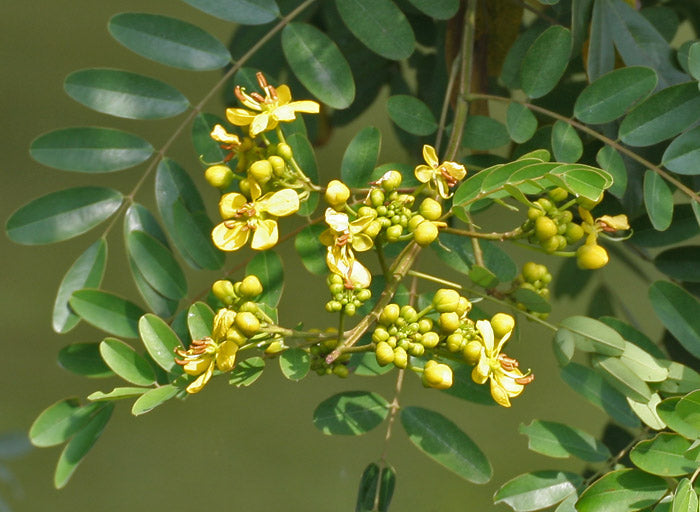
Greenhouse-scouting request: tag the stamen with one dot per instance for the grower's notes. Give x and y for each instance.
(257, 97)
(261, 79)
(526, 379)
(239, 94)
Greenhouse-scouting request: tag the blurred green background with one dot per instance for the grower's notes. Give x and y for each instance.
(251, 449)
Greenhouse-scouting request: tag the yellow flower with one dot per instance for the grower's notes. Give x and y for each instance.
(440, 176)
(606, 223)
(259, 216)
(204, 355)
(276, 106)
(341, 238)
(507, 381)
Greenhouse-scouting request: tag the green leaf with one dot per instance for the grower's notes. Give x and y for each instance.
(563, 346)
(624, 490)
(688, 409)
(446, 444)
(680, 313)
(581, 180)
(311, 251)
(465, 388)
(664, 115)
(559, 440)
(411, 114)
(367, 493)
(694, 60)
(125, 362)
(160, 341)
(623, 378)
(668, 414)
(460, 256)
(62, 215)
(438, 9)
(365, 364)
(380, 25)
(246, 372)
(681, 379)
(360, 157)
(658, 200)
(153, 398)
(482, 133)
(169, 41)
(566, 144)
(245, 12)
(683, 227)
(80, 445)
(200, 319)
(207, 148)
(60, 421)
(139, 218)
(664, 455)
(601, 51)
(482, 276)
(683, 154)
(125, 94)
(593, 336)
(83, 359)
(267, 265)
(646, 411)
(158, 304)
(532, 300)
(643, 364)
(611, 95)
(545, 61)
(90, 149)
(306, 159)
(318, 64)
(350, 413)
(295, 363)
(537, 490)
(685, 499)
(520, 122)
(157, 265)
(632, 335)
(680, 263)
(116, 394)
(611, 162)
(85, 272)
(596, 390)
(107, 312)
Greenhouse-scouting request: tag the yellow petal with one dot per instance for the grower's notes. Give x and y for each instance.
(226, 356)
(265, 235)
(362, 242)
(282, 203)
(230, 239)
(442, 188)
(457, 171)
(196, 366)
(484, 327)
(305, 106)
(424, 173)
(284, 113)
(585, 215)
(202, 380)
(230, 203)
(618, 222)
(327, 238)
(219, 134)
(338, 221)
(284, 95)
(359, 275)
(260, 124)
(222, 323)
(507, 382)
(480, 373)
(359, 225)
(239, 116)
(430, 157)
(499, 394)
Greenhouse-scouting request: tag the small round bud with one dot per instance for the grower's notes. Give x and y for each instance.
(446, 300)
(380, 334)
(373, 228)
(391, 180)
(247, 323)
(533, 213)
(249, 306)
(424, 325)
(502, 324)
(235, 335)
(591, 257)
(426, 233)
(340, 370)
(260, 171)
(558, 194)
(364, 295)
(409, 313)
(430, 209)
(278, 165)
(337, 193)
(415, 221)
(350, 309)
(550, 245)
(566, 216)
(400, 358)
(430, 339)
(376, 197)
(393, 233)
(384, 353)
(223, 290)
(275, 347)
(449, 322)
(244, 187)
(463, 306)
(219, 176)
(455, 341)
(285, 151)
(545, 204)
(533, 272)
(545, 228)
(472, 351)
(437, 376)
(573, 233)
(390, 314)
(251, 286)
(336, 289)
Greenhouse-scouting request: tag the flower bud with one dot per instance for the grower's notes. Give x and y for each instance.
(340, 370)
(285, 151)
(337, 193)
(449, 322)
(236, 336)
(430, 339)
(574, 233)
(430, 209)
(426, 233)
(364, 295)
(409, 313)
(545, 228)
(393, 233)
(591, 256)
(247, 323)
(389, 314)
(437, 376)
(533, 213)
(384, 353)
(558, 194)
(275, 347)
(219, 176)
(502, 324)
(260, 171)
(400, 358)
(446, 300)
(251, 286)
(472, 351)
(223, 290)
(391, 180)
(376, 197)
(463, 306)
(424, 325)
(278, 165)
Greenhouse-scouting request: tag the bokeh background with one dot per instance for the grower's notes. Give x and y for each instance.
(251, 449)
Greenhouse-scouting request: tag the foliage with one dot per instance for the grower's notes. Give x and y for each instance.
(599, 97)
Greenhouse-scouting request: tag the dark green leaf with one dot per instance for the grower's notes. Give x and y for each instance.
(311, 251)
(460, 256)
(658, 200)
(200, 320)
(158, 304)
(169, 41)
(465, 388)
(360, 157)
(688, 409)
(665, 114)
(683, 154)
(139, 218)
(581, 180)
(246, 372)
(624, 490)
(611, 95)
(58, 422)
(80, 444)
(694, 60)
(559, 440)
(632, 335)
(601, 51)
(520, 122)
(566, 143)
(367, 493)
(387, 483)
(209, 151)
(90, 149)
(245, 12)
(446, 444)
(537, 490)
(532, 300)
(295, 363)
(601, 394)
(107, 312)
(116, 394)
(483, 133)
(83, 359)
(125, 94)
(680, 263)
(306, 159)
(593, 336)
(157, 265)
(350, 413)
(318, 64)
(664, 455)
(380, 25)
(611, 162)
(86, 272)
(482, 276)
(62, 215)
(160, 341)
(267, 265)
(153, 398)
(623, 378)
(680, 313)
(545, 61)
(438, 9)
(126, 363)
(411, 114)
(683, 227)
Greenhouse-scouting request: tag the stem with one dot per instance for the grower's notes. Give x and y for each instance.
(341, 326)
(382, 260)
(445, 106)
(487, 236)
(393, 409)
(616, 145)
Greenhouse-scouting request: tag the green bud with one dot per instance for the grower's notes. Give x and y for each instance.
(472, 351)
(247, 323)
(350, 309)
(219, 176)
(384, 353)
(573, 233)
(409, 314)
(424, 325)
(380, 334)
(532, 271)
(393, 233)
(415, 221)
(455, 341)
(364, 295)
(533, 213)
(426, 233)
(545, 228)
(558, 194)
(430, 209)
(430, 339)
(223, 290)
(376, 197)
(449, 322)
(251, 286)
(391, 180)
(416, 350)
(446, 300)
(261, 171)
(502, 324)
(285, 151)
(340, 370)
(400, 358)
(390, 314)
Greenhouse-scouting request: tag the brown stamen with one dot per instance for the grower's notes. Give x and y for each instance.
(239, 94)
(257, 97)
(526, 379)
(261, 79)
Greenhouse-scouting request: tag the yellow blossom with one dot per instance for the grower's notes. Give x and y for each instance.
(507, 381)
(267, 111)
(258, 216)
(341, 238)
(439, 176)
